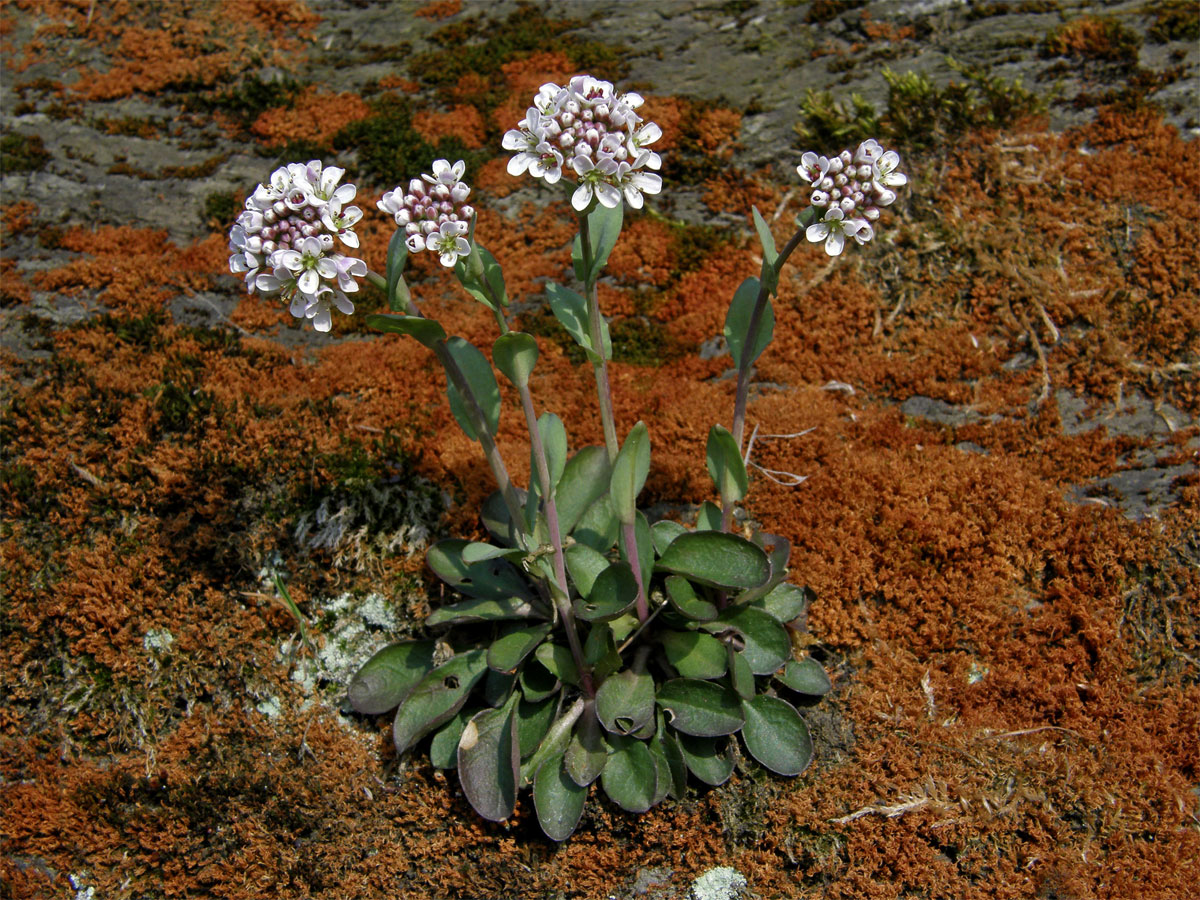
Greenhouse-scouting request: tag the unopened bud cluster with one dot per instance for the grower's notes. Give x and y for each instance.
(850, 188)
(434, 212)
(588, 129)
(284, 241)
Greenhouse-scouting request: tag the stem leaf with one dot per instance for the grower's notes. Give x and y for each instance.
(743, 346)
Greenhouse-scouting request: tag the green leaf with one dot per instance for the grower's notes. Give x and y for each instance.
(776, 736)
(554, 444)
(725, 465)
(779, 551)
(625, 702)
(533, 723)
(630, 777)
(478, 609)
(598, 527)
(492, 274)
(709, 517)
(498, 521)
(662, 533)
(805, 677)
(785, 602)
(583, 565)
(587, 752)
(443, 749)
(389, 676)
(425, 331)
(716, 559)
(437, 697)
(740, 674)
(604, 227)
(584, 481)
(765, 643)
(701, 708)
(744, 347)
(666, 749)
(645, 546)
(683, 597)
(489, 761)
(570, 309)
(770, 276)
(558, 800)
(600, 651)
(498, 687)
(491, 579)
(613, 593)
(507, 652)
(477, 552)
(630, 469)
(704, 759)
(397, 256)
(558, 662)
(481, 382)
(554, 743)
(515, 355)
(693, 654)
(537, 682)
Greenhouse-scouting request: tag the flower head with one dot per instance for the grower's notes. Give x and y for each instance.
(283, 241)
(434, 212)
(850, 188)
(588, 130)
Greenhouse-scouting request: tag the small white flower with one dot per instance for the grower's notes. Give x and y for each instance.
(833, 230)
(444, 173)
(593, 179)
(885, 171)
(449, 242)
(868, 152)
(813, 168)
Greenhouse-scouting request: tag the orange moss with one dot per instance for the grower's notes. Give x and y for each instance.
(717, 130)
(522, 78)
(493, 178)
(399, 83)
(671, 114)
(15, 218)
(462, 122)
(314, 115)
(440, 9)
(644, 253)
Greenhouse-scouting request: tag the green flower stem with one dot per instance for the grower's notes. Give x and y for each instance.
(743, 385)
(630, 529)
(561, 596)
(599, 366)
(486, 439)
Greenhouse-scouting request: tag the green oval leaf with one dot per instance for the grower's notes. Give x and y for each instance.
(558, 800)
(397, 256)
(741, 677)
(515, 354)
(584, 480)
(770, 276)
(389, 676)
(764, 642)
(489, 762)
(662, 533)
(625, 702)
(443, 749)
(785, 602)
(533, 723)
(554, 443)
(613, 593)
(584, 565)
(725, 465)
(480, 610)
(630, 469)
(598, 527)
(700, 708)
(570, 309)
(437, 697)
(709, 517)
(716, 559)
(630, 777)
(704, 759)
(507, 652)
(537, 682)
(489, 579)
(425, 331)
(586, 752)
(558, 661)
(480, 381)
(779, 551)
(805, 677)
(694, 655)
(687, 602)
(744, 347)
(776, 736)
(666, 749)
(604, 227)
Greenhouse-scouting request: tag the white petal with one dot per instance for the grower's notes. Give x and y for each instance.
(582, 197)
(608, 195)
(633, 197)
(323, 321)
(816, 232)
(343, 303)
(518, 164)
(834, 243)
(309, 281)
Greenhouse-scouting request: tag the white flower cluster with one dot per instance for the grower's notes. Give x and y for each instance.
(284, 241)
(850, 187)
(590, 130)
(434, 212)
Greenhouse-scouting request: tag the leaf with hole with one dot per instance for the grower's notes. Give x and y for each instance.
(694, 654)
(490, 579)
(625, 702)
(776, 736)
(805, 677)
(437, 697)
(704, 759)
(489, 761)
(389, 676)
(764, 642)
(558, 800)
(716, 559)
(700, 708)
(613, 593)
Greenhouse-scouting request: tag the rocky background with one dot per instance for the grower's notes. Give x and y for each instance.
(212, 514)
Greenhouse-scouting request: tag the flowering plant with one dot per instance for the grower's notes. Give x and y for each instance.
(598, 646)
